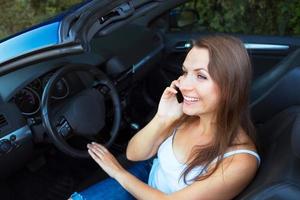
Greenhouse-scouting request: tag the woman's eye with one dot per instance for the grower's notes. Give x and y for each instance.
(201, 76)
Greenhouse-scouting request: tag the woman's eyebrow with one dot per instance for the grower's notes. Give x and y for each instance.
(197, 69)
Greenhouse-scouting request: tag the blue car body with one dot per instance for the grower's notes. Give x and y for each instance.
(34, 39)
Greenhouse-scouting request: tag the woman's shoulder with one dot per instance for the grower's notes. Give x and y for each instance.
(242, 154)
(242, 157)
(243, 149)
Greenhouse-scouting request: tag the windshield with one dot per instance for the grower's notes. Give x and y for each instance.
(17, 15)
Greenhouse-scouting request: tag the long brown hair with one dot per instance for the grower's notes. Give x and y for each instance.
(230, 68)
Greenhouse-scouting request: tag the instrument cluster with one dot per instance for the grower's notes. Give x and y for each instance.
(28, 99)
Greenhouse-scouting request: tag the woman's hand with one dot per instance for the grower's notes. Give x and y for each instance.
(105, 159)
(169, 108)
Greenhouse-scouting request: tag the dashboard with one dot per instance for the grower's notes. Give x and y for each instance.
(21, 126)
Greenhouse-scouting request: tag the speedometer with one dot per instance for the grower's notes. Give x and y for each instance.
(28, 101)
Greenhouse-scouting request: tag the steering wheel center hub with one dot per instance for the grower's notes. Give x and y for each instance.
(86, 113)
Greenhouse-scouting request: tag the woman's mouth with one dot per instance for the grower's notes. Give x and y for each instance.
(190, 100)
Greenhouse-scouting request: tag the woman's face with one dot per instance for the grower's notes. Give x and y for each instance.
(200, 92)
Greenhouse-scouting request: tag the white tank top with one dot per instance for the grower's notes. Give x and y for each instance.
(166, 171)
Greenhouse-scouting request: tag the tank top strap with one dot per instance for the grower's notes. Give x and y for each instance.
(174, 133)
(245, 151)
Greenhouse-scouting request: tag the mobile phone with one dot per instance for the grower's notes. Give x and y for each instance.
(179, 95)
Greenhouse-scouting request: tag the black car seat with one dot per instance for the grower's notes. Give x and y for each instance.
(274, 97)
(279, 174)
(276, 89)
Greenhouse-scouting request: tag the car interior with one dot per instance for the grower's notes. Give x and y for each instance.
(50, 109)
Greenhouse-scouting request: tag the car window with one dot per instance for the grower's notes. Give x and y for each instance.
(246, 17)
(16, 15)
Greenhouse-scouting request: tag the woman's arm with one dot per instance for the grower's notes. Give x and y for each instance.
(231, 177)
(146, 142)
(139, 189)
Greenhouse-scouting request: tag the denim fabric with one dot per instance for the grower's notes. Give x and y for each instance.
(110, 189)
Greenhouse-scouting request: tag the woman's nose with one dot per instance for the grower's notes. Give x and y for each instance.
(185, 82)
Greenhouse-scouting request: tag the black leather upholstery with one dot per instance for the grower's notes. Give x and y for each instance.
(282, 94)
(275, 90)
(263, 84)
(279, 174)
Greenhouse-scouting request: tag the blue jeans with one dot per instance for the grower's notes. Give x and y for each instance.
(110, 189)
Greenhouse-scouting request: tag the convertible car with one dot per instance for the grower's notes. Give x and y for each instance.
(96, 73)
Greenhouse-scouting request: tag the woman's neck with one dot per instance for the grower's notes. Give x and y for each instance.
(205, 125)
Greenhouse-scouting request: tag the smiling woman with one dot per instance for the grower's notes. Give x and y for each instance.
(30, 12)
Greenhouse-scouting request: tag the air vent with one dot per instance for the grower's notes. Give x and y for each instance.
(3, 121)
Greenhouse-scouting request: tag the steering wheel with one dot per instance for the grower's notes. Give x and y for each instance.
(82, 114)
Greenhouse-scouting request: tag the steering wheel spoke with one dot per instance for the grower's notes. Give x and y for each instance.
(102, 88)
(63, 127)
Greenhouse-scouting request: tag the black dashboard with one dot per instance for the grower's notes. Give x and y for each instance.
(21, 127)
